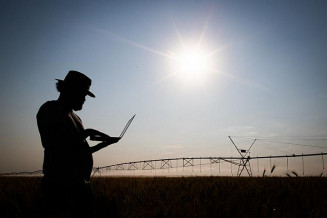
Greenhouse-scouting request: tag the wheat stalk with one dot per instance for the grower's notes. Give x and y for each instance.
(295, 173)
(272, 169)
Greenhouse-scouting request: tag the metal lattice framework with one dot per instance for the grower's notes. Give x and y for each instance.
(241, 162)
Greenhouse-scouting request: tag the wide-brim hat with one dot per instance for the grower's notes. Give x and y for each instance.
(78, 81)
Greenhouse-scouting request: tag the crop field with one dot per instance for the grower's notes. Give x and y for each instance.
(181, 197)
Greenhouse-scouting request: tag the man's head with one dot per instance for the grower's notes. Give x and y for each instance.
(74, 89)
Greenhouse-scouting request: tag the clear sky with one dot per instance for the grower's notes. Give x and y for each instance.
(257, 69)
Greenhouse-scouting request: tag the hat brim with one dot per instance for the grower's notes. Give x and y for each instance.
(90, 94)
(87, 92)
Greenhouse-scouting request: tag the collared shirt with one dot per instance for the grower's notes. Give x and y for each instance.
(67, 154)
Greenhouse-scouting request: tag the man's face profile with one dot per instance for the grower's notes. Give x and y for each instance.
(77, 100)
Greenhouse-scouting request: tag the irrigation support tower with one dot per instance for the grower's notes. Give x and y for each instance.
(245, 160)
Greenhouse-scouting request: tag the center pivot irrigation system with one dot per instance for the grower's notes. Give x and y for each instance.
(242, 162)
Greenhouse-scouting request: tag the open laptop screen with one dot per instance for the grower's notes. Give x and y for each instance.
(126, 127)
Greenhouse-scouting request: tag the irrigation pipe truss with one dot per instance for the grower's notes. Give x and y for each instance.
(187, 162)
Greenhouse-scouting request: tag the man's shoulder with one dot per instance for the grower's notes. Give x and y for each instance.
(51, 107)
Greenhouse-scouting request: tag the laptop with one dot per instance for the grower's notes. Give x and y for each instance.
(101, 138)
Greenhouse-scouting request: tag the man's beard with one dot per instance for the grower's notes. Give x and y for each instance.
(78, 107)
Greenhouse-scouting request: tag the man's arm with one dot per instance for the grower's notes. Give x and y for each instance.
(104, 144)
(95, 133)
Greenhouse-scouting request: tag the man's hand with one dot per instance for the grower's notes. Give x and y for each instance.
(111, 140)
(104, 144)
(96, 135)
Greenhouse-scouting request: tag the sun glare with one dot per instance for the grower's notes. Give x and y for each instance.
(192, 64)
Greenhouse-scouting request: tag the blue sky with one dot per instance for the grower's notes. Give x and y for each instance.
(268, 61)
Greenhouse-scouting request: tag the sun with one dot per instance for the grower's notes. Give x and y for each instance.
(192, 64)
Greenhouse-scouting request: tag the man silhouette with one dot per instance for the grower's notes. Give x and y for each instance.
(68, 158)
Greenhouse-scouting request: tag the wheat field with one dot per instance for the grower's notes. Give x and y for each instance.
(181, 197)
